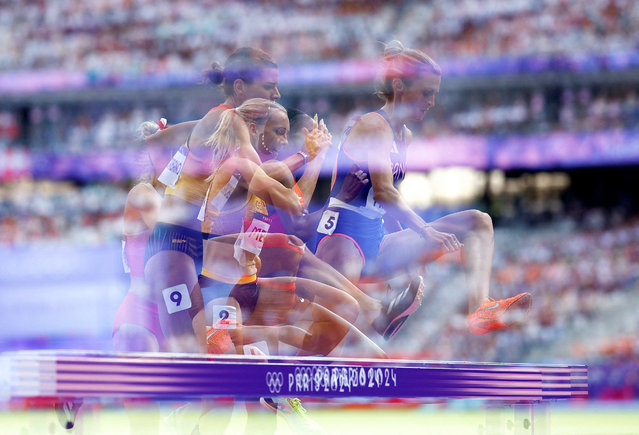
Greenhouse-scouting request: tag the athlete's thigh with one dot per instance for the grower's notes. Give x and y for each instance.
(218, 259)
(279, 261)
(172, 278)
(276, 300)
(403, 250)
(462, 222)
(342, 254)
(168, 269)
(134, 338)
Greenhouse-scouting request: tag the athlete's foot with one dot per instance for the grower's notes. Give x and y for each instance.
(294, 413)
(218, 340)
(183, 421)
(66, 412)
(396, 312)
(493, 315)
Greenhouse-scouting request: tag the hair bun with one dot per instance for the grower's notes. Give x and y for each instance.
(393, 48)
(215, 74)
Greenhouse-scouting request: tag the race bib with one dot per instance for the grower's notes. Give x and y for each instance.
(177, 298)
(225, 193)
(328, 222)
(202, 213)
(224, 316)
(372, 204)
(171, 173)
(215, 205)
(252, 239)
(125, 264)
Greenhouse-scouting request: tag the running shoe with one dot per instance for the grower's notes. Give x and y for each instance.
(183, 420)
(66, 412)
(396, 312)
(493, 315)
(218, 340)
(294, 414)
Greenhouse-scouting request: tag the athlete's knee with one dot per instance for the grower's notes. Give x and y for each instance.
(323, 337)
(481, 221)
(197, 302)
(295, 240)
(348, 308)
(134, 338)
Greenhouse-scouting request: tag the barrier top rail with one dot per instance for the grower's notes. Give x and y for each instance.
(162, 376)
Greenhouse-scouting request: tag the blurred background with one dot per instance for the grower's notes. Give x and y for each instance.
(536, 123)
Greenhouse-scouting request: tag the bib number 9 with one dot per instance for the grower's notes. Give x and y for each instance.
(177, 298)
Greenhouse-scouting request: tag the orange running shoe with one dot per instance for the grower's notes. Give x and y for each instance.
(218, 340)
(493, 315)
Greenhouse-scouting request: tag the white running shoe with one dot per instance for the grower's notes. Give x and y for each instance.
(294, 414)
(183, 421)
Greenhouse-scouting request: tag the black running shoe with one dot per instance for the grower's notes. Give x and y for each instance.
(66, 411)
(395, 313)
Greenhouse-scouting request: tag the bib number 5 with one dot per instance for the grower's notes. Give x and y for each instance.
(328, 222)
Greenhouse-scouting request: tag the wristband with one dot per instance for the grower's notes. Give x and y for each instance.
(304, 155)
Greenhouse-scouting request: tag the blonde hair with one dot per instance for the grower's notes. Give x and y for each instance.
(402, 63)
(225, 139)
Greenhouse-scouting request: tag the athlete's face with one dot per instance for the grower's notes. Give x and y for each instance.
(264, 86)
(419, 96)
(296, 137)
(275, 135)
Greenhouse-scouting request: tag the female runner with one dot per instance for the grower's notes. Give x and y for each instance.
(353, 238)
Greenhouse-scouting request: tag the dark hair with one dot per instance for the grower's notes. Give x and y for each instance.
(245, 63)
(403, 63)
(295, 118)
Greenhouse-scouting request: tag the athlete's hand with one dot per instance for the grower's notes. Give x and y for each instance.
(354, 182)
(318, 140)
(252, 265)
(447, 241)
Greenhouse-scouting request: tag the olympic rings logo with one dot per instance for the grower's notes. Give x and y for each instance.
(274, 381)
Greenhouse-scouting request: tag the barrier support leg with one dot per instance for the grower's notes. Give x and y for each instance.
(530, 418)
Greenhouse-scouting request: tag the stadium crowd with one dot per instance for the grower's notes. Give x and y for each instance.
(124, 37)
(36, 212)
(102, 126)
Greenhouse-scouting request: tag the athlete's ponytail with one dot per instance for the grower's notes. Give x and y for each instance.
(225, 139)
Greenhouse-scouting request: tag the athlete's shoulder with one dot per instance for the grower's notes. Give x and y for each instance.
(207, 125)
(409, 135)
(142, 190)
(372, 124)
(374, 120)
(143, 195)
